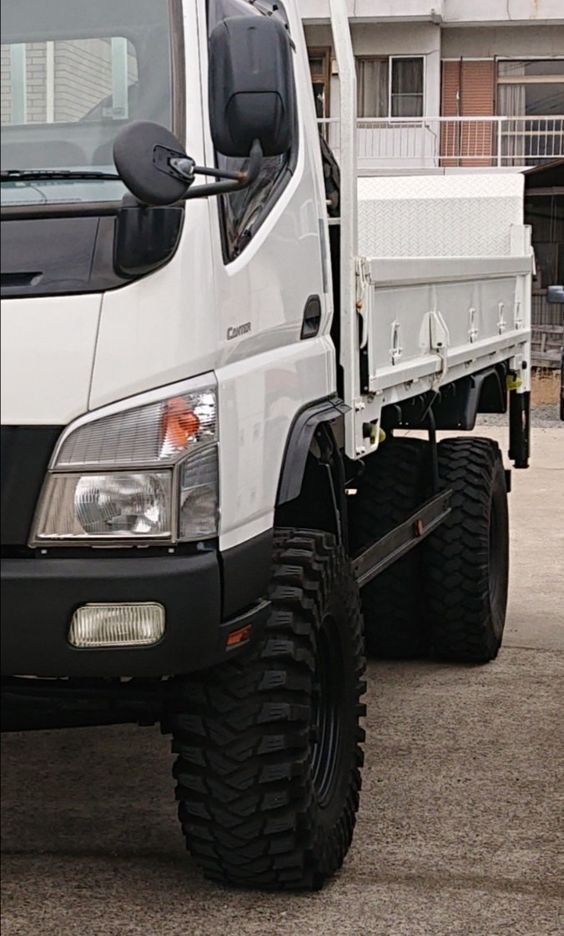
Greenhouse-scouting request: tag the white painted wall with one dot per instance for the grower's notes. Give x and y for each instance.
(449, 11)
(487, 11)
(368, 9)
(398, 9)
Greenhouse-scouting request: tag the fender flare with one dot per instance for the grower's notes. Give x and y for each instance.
(461, 410)
(299, 441)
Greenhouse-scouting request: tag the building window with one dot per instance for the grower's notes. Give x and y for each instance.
(320, 69)
(390, 87)
(372, 87)
(406, 98)
(534, 88)
(531, 95)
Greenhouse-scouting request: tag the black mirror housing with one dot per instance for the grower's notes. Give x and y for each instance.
(146, 237)
(252, 94)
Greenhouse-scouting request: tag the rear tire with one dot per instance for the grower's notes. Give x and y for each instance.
(268, 746)
(391, 488)
(467, 557)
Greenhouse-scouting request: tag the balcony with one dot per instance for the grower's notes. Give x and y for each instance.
(419, 143)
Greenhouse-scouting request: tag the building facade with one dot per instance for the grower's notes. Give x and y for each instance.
(457, 83)
(458, 86)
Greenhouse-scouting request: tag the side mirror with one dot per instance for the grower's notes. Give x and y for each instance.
(251, 87)
(555, 295)
(157, 171)
(142, 151)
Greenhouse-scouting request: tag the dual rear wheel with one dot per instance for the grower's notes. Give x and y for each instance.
(448, 596)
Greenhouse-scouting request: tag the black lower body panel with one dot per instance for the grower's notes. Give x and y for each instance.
(40, 595)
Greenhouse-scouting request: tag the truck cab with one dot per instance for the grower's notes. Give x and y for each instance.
(117, 314)
(205, 479)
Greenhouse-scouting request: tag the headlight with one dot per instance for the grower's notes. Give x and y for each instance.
(142, 472)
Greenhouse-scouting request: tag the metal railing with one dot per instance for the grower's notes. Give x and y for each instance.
(434, 142)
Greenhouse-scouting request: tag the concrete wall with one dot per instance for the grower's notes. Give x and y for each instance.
(505, 41)
(317, 36)
(395, 38)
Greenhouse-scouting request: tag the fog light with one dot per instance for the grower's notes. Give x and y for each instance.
(117, 625)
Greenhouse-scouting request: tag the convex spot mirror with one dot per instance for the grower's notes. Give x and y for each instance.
(142, 151)
(251, 87)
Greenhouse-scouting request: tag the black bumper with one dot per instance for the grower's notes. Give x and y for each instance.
(40, 595)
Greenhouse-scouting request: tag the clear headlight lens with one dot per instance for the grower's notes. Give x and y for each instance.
(102, 483)
(135, 504)
(103, 506)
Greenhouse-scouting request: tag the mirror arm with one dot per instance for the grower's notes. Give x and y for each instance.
(240, 181)
(187, 169)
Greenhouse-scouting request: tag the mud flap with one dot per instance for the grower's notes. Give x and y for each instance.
(519, 428)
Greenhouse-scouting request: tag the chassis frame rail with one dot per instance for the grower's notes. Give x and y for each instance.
(381, 554)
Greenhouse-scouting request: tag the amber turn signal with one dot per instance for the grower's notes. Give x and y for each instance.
(238, 637)
(179, 425)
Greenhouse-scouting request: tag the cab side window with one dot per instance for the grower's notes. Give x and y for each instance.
(243, 212)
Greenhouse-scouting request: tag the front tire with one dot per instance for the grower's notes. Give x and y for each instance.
(269, 756)
(467, 557)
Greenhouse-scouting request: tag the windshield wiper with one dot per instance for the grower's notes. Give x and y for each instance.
(39, 175)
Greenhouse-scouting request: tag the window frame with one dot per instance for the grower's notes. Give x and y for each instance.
(392, 59)
(323, 53)
(526, 79)
(389, 59)
(384, 59)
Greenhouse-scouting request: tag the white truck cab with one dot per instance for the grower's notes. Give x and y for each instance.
(214, 340)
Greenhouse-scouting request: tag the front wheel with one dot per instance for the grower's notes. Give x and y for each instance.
(269, 755)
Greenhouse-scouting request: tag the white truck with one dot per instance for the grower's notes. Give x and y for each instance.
(215, 344)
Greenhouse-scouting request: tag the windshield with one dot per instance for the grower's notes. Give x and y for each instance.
(74, 72)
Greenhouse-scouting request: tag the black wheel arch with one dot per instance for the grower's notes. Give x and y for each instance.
(456, 405)
(311, 489)
(460, 403)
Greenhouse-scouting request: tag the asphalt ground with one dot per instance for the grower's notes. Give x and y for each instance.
(461, 825)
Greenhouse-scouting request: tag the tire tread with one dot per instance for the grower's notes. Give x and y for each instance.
(241, 733)
(457, 555)
(391, 489)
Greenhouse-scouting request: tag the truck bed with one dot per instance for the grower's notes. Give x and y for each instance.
(443, 285)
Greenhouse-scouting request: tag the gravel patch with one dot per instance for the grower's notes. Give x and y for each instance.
(543, 416)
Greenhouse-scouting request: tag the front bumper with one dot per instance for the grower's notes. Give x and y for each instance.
(40, 595)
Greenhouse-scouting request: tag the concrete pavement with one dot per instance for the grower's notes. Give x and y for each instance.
(463, 793)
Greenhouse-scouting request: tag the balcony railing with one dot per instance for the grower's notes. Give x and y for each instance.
(435, 142)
